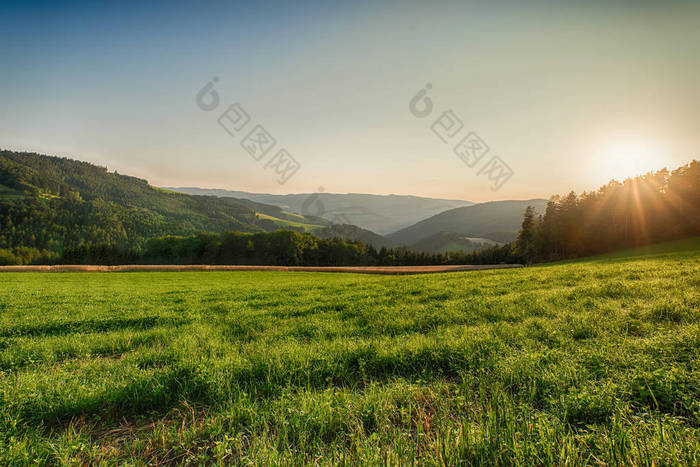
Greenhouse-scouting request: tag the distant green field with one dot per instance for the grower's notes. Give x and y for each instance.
(589, 362)
(288, 223)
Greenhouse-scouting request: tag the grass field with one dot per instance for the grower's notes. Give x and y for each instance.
(587, 362)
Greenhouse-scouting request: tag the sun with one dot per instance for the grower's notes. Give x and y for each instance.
(623, 159)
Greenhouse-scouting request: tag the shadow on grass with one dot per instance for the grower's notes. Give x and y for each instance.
(72, 327)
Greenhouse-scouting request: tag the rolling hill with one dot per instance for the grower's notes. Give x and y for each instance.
(50, 203)
(379, 213)
(496, 220)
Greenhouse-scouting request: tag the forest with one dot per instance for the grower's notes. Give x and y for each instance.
(642, 210)
(280, 248)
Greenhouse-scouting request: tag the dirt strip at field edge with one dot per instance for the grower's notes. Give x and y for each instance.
(394, 270)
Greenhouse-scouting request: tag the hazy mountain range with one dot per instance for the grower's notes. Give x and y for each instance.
(382, 214)
(425, 224)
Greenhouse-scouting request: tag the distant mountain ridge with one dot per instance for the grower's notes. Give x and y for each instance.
(382, 214)
(496, 220)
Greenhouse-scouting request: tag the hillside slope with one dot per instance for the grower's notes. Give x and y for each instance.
(496, 220)
(51, 203)
(379, 213)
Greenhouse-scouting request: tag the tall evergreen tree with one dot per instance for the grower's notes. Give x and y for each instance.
(525, 243)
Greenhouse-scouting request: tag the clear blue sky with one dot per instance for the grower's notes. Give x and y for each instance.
(568, 95)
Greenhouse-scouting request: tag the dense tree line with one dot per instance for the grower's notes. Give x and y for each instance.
(282, 248)
(650, 208)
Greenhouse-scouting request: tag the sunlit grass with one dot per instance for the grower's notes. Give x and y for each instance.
(287, 223)
(587, 362)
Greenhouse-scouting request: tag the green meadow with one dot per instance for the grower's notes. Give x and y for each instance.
(594, 361)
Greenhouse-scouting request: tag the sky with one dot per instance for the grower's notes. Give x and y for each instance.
(566, 95)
